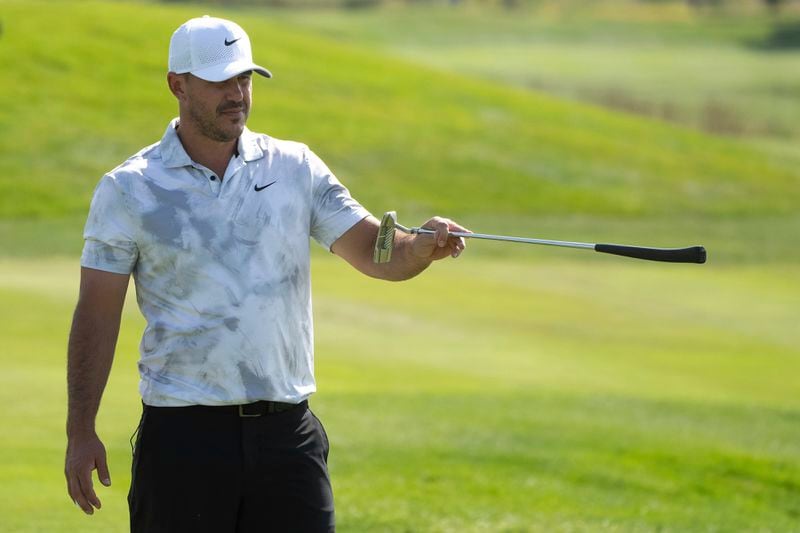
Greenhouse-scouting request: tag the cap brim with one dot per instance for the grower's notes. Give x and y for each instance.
(226, 71)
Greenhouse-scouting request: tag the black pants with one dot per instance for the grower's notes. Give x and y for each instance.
(204, 469)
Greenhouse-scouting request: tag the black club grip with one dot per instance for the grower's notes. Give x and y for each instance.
(692, 254)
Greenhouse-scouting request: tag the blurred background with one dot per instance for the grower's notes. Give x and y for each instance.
(517, 388)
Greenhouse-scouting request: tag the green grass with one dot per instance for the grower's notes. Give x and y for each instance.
(454, 144)
(718, 71)
(489, 395)
(516, 389)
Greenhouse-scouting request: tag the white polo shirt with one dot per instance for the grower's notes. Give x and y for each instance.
(221, 267)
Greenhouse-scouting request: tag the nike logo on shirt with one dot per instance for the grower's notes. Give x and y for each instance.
(257, 188)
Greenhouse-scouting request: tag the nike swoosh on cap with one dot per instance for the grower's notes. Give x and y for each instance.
(228, 43)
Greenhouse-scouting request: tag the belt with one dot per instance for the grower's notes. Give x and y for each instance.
(265, 407)
(247, 410)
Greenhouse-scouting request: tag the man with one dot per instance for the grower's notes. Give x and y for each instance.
(213, 222)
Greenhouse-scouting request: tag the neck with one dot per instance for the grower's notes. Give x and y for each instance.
(214, 155)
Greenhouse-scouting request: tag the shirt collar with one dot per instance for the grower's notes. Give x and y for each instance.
(173, 154)
(249, 146)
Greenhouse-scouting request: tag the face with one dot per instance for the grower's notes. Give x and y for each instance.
(218, 110)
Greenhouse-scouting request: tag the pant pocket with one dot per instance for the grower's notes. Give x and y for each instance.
(323, 434)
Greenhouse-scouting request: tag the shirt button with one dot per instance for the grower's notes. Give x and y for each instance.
(213, 178)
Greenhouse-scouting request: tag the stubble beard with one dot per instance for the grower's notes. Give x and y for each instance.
(207, 121)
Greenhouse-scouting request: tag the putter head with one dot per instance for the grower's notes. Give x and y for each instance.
(385, 241)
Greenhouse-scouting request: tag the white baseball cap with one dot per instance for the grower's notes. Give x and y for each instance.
(212, 49)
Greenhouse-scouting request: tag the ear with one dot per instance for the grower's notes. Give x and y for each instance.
(177, 85)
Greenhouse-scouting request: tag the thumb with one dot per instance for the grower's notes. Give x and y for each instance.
(102, 469)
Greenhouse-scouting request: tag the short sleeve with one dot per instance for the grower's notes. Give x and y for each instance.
(334, 211)
(109, 243)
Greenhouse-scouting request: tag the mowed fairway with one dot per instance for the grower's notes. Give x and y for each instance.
(528, 394)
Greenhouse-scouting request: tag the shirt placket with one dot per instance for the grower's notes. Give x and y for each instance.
(214, 183)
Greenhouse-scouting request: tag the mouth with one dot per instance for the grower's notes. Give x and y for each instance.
(232, 110)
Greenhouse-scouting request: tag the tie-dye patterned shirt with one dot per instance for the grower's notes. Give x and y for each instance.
(221, 267)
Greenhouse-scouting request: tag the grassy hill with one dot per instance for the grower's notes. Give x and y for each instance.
(728, 70)
(93, 92)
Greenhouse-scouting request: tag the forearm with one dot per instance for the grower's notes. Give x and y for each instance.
(411, 254)
(90, 354)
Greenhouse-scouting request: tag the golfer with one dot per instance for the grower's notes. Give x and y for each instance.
(214, 222)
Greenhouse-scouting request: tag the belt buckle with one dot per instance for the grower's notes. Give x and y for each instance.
(242, 414)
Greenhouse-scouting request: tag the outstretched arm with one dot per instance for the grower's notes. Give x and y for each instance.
(412, 253)
(92, 340)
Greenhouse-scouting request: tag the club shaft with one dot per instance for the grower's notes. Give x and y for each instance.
(508, 239)
(692, 254)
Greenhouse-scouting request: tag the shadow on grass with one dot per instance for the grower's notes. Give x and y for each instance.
(784, 36)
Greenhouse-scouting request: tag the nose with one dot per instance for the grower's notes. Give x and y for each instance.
(233, 91)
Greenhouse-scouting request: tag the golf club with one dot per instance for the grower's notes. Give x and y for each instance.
(385, 243)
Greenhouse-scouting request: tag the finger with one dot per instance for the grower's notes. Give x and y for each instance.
(102, 470)
(456, 241)
(77, 496)
(87, 489)
(71, 490)
(453, 226)
(439, 226)
(442, 232)
(457, 247)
